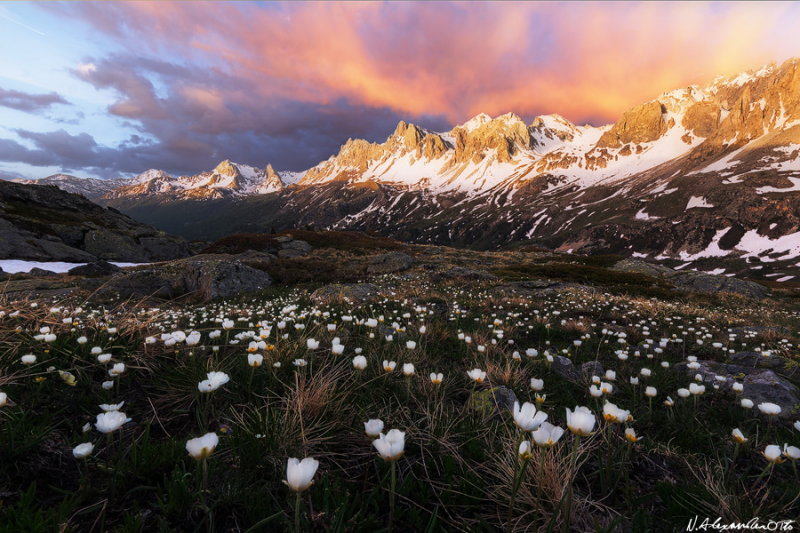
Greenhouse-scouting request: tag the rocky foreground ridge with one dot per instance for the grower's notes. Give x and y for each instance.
(48, 224)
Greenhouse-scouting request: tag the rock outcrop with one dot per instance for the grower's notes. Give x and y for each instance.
(44, 223)
(641, 124)
(390, 262)
(203, 278)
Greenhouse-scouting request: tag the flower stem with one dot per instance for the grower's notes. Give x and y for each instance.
(567, 515)
(297, 514)
(203, 494)
(391, 497)
(514, 489)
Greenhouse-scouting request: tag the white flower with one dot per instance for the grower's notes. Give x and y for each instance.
(526, 418)
(477, 375)
(28, 359)
(747, 404)
(408, 370)
(411, 345)
(547, 435)
(634, 380)
(392, 445)
(773, 453)
(215, 380)
(312, 344)
(797, 425)
(117, 369)
(792, 452)
(227, 324)
(650, 392)
(360, 362)
(595, 392)
(646, 372)
(738, 387)
(696, 389)
(581, 422)
(108, 385)
(104, 358)
(738, 436)
(111, 407)
(389, 366)
(537, 384)
(82, 450)
(300, 473)
(436, 379)
(3, 399)
(82, 340)
(769, 408)
(299, 362)
(96, 350)
(525, 450)
(611, 375)
(111, 421)
(615, 415)
(202, 447)
(373, 427)
(337, 349)
(255, 359)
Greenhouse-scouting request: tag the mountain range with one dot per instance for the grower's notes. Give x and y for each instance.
(695, 175)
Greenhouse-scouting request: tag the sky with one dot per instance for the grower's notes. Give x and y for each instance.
(111, 89)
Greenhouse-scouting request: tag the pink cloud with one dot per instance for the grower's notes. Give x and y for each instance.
(456, 60)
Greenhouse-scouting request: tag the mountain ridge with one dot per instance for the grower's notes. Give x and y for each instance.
(685, 176)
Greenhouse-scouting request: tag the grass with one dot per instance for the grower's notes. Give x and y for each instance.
(458, 464)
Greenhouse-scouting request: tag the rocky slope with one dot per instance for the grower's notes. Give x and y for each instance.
(44, 223)
(696, 174)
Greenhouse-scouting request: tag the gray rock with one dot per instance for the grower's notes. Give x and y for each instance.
(201, 278)
(291, 253)
(638, 266)
(490, 403)
(390, 262)
(284, 239)
(710, 284)
(107, 245)
(564, 368)
(96, 268)
(355, 293)
(592, 368)
(462, 274)
(760, 384)
(302, 246)
(45, 223)
(41, 273)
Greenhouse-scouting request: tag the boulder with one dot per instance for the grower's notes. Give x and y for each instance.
(760, 384)
(41, 273)
(107, 245)
(387, 263)
(292, 249)
(490, 403)
(564, 368)
(592, 368)
(96, 268)
(462, 274)
(203, 278)
(638, 266)
(710, 284)
(354, 293)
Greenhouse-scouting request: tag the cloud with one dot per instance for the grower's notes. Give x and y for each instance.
(30, 103)
(287, 83)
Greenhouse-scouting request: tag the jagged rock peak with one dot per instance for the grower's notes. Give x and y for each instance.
(227, 168)
(271, 174)
(152, 174)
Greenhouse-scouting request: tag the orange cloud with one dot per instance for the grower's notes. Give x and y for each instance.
(582, 60)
